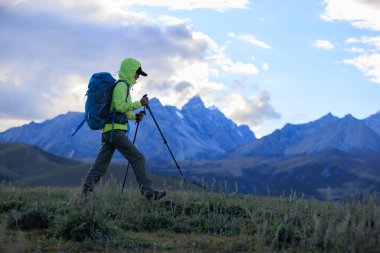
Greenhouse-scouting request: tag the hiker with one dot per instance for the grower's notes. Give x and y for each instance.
(114, 133)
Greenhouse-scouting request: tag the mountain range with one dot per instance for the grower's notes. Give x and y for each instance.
(340, 154)
(199, 133)
(193, 133)
(346, 134)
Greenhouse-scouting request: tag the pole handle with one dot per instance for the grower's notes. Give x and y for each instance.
(147, 104)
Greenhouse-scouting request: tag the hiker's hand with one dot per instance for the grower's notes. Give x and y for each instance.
(144, 100)
(139, 117)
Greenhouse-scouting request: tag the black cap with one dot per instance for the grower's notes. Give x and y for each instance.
(141, 72)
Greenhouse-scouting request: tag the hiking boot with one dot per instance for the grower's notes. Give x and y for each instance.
(84, 195)
(153, 194)
(78, 198)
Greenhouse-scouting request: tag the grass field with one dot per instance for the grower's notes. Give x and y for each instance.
(57, 220)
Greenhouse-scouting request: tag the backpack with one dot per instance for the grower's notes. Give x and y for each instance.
(98, 103)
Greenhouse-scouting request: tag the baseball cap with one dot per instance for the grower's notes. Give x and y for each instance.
(141, 72)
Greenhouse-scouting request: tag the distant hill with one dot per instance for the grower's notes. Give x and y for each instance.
(26, 165)
(309, 174)
(19, 161)
(194, 133)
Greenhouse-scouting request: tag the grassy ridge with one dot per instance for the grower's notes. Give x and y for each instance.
(57, 220)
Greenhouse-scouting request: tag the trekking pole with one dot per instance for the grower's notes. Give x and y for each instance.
(166, 143)
(134, 139)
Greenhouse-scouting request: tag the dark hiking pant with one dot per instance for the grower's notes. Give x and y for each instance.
(120, 142)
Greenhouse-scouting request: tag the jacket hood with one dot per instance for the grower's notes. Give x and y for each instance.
(128, 70)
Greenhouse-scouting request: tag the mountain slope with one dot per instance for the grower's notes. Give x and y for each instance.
(280, 140)
(19, 161)
(327, 133)
(54, 136)
(347, 134)
(310, 174)
(374, 122)
(26, 165)
(195, 132)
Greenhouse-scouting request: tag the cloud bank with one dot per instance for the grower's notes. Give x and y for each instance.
(362, 14)
(49, 51)
(251, 110)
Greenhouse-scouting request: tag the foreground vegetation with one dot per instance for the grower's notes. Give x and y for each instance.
(57, 220)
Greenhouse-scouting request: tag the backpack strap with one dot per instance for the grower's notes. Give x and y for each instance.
(127, 83)
(128, 128)
(114, 112)
(113, 125)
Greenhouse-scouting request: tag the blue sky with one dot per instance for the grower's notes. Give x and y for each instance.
(262, 63)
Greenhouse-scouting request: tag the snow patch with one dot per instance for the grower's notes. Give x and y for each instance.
(71, 154)
(179, 114)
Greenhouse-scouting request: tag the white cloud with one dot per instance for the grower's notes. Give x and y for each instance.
(368, 61)
(241, 68)
(352, 40)
(368, 64)
(170, 20)
(371, 41)
(191, 77)
(247, 110)
(364, 14)
(68, 94)
(265, 66)
(250, 39)
(355, 50)
(5, 123)
(220, 59)
(323, 44)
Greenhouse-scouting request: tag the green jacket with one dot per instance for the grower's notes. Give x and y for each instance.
(120, 101)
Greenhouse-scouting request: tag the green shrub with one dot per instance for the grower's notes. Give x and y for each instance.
(83, 223)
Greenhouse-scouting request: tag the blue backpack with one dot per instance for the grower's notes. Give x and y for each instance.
(98, 103)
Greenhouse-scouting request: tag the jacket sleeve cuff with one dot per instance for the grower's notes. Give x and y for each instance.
(131, 116)
(136, 105)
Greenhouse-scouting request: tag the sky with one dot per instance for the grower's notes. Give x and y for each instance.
(262, 63)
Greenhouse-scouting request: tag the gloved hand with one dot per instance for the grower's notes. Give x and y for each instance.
(139, 116)
(144, 100)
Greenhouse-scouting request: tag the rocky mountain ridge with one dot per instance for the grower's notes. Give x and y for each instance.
(193, 133)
